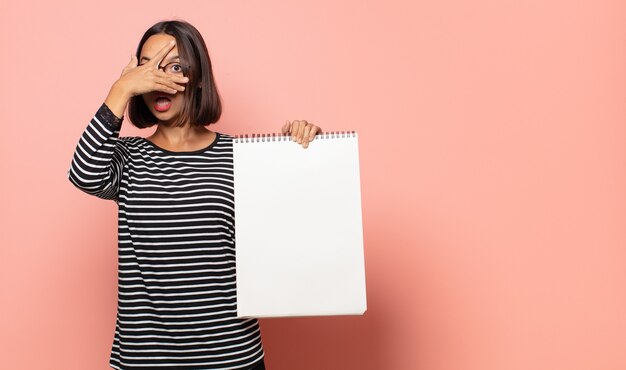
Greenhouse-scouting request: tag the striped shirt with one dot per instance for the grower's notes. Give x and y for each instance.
(177, 304)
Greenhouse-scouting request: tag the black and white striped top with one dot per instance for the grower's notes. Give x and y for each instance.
(176, 268)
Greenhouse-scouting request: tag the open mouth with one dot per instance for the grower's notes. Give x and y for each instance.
(162, 103)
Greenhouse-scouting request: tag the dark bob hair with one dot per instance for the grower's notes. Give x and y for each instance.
(202, 105)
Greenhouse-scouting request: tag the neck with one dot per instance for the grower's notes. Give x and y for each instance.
(179, 135)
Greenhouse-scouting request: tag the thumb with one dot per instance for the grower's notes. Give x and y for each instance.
(286, 127)
(132, 64)
(133, 61)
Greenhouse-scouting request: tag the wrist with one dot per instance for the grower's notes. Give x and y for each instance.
(117, 100)
(120, 91)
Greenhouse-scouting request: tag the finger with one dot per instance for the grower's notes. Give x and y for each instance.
(174, 83)
(285, 128)
(158, 58)
(165, 51)
(165, 79)
(171, 78)
(180, 79)
(305, 135)
(165, 88)
(294, 129)
(300, 131)
(313, 132)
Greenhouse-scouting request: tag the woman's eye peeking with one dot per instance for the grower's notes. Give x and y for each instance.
(176, 68)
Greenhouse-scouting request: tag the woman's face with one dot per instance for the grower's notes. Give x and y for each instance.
(163, 110)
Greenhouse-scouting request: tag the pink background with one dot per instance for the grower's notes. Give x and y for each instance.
(493, 162)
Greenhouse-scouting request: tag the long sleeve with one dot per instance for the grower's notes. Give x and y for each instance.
(99, 157)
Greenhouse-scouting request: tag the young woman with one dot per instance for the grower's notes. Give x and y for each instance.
(174, 190)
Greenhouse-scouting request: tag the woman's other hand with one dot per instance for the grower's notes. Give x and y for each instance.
(301, 131)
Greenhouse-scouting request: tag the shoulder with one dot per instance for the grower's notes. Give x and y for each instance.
(129, 143)
(224, 140)
(129, 140)
(223, 144)
(225, 137)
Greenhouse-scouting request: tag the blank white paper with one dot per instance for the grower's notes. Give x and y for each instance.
(298, 228)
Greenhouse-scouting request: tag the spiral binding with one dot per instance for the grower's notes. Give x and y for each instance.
(257, 138)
